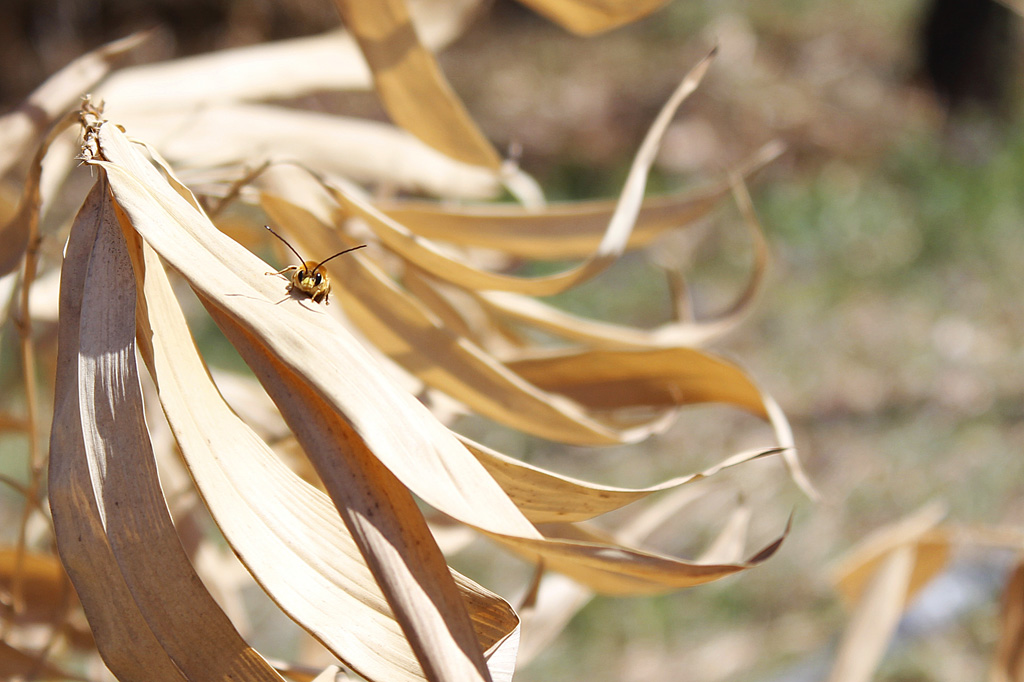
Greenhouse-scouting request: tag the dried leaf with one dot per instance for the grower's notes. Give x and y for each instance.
(931, 545)
(409, 83)
(607, 380)
(1008, 665)
(186, 620)
(610, 568)
(587, 17)
(547, 497)
(561, 231)
(229, 137)
(337, 378)
(875, 618)
(261, 506)
(128, 646)
(16, 233)
(23, 128)
(279, 70)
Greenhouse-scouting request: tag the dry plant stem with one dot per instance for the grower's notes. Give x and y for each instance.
(23, 322)
(236, 188)
(14, 485)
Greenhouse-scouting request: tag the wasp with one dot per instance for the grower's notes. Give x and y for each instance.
(308, 278)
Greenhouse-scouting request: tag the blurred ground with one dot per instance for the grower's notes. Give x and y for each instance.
(890, 330)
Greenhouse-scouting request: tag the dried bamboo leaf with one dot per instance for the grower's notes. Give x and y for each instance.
(23, 128)
(410, 84)
(1008, 664)
(307, 340)
(562, 231)
(183, 616)
(426, 256)
(606, 380)
(674, 334)
(931, 546)
(15, 234)
(588, 17)
(380, 513)
(283, 69)
(547, 497)
(875, 618)
(261, 507)
(558, 598)
(125, 641)
(318, 373)
(610, 568)
(231, 136)
(596, 334)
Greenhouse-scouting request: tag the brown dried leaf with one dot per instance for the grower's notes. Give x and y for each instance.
(607, 380)
(587, 17)
(610, 568)
(544, 317)
(381, 515)
(23, 128)
(261, 506)
(566, 230)
(880, 577)
(317, 373)
(409, 83)
(547, 497)
(1008, 665)
(931, 552)
(128, 646)
(187, 622)
(16, 233)
(875, 617)
(279, 70)
(231, 136)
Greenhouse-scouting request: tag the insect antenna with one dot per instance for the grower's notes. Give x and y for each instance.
(340, 253)
(301, 261)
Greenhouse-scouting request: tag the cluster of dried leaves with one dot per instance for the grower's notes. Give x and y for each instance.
(881, 577)
(349, 556)
(427, 321)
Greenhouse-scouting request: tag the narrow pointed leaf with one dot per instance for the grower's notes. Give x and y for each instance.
(410, 83)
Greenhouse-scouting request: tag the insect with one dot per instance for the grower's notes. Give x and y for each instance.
(308, 278)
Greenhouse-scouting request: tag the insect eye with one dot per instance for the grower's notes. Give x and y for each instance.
(317, 279)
